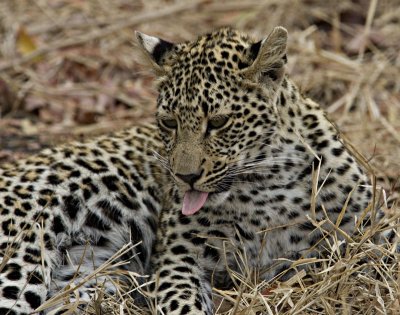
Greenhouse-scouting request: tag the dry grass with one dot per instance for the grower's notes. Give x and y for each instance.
(68, 69)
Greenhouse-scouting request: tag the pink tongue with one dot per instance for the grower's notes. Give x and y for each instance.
(193, 201)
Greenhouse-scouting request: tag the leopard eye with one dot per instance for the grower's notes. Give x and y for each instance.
(169, 123)
(217, 122)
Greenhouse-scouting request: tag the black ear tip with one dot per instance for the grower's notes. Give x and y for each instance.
(254, 49)
(161, 49)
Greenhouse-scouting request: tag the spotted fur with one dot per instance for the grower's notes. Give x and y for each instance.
(229, 122)
(235, 126)
(82, 202)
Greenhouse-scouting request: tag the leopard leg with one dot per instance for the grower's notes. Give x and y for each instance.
(182, 287)
(24, 272)
(182, 284)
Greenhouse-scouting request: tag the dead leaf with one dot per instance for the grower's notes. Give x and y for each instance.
(269, 291)
(25, 42)
(86, 117)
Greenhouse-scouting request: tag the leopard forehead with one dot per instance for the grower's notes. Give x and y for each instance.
(204, 77)
(225, 49)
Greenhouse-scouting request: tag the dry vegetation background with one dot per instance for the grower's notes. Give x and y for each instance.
(69, 69)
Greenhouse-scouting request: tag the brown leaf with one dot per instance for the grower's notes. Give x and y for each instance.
(86, 117)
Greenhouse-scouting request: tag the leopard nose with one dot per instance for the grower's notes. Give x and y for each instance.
(189, 178)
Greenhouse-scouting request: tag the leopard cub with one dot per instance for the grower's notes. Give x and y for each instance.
(226, 169)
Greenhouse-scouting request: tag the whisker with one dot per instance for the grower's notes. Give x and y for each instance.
(284, 158)
(256, 167)
(164, 162)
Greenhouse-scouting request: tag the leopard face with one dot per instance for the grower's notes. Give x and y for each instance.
(216, 103)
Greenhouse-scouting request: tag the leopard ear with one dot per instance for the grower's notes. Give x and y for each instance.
(268, 57)
(156, 49)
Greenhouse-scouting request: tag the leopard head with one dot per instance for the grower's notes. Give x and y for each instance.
(216, 105)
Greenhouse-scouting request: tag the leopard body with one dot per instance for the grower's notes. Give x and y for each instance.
(230, 124)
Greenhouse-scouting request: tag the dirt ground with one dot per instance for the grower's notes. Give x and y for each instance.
(69, 69)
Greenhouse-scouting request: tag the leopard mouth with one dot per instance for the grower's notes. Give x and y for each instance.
(193, 201)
